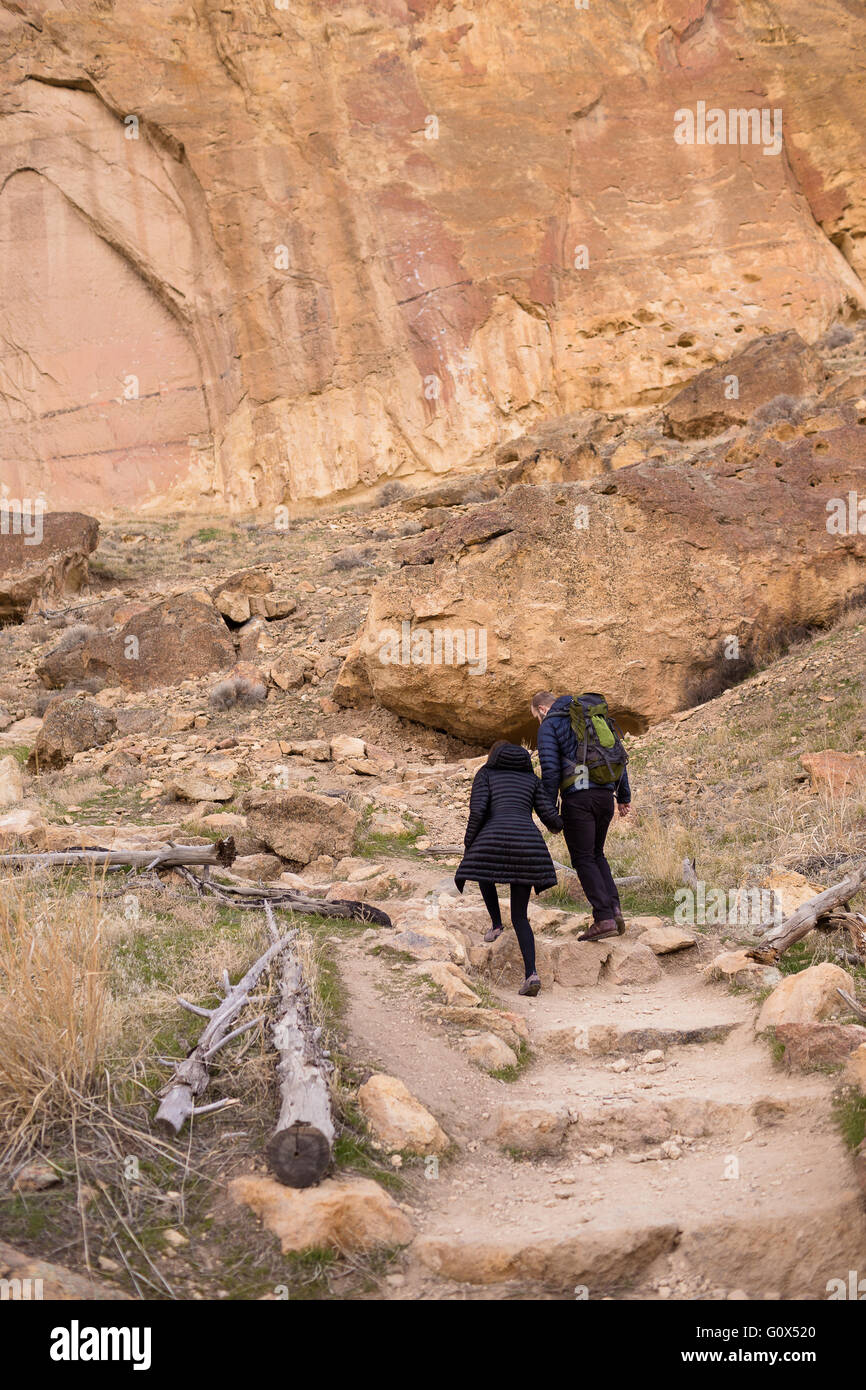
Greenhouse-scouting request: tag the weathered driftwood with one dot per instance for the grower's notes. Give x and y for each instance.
(300, 1150)
(853, 1005)
(191, 1076)
(255, 897)
(222, 853)
(801, 922)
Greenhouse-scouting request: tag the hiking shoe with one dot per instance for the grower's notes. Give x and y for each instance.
(531, 986)
(599, 930)
(493, 933)
(620, 923)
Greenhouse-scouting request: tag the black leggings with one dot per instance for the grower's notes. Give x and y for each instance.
(520, 893)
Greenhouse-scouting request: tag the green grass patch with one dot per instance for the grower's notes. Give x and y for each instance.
(849, 1112)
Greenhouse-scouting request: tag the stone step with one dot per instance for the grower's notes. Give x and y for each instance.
(778, 1229)
(576, 1040)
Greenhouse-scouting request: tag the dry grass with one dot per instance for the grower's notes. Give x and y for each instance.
(55, 1008)
(658, 849)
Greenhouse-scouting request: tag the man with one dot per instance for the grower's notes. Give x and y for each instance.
(587, 811)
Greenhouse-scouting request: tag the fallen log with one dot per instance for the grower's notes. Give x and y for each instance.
(801, 922)
(191, 1076)
(856, 1008)
(235, 895)
(300, 1150)
(221, 852)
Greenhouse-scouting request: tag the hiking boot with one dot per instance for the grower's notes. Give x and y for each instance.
(531, 985)
(599, 930)
(620, 923)
(493, 933)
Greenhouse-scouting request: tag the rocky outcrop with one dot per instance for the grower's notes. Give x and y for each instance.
(648, 583)
(729, 394)
(43, 556)
(176, 640)
(302, 291)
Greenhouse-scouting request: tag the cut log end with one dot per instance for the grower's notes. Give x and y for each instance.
(299, 1156)
(226, 852)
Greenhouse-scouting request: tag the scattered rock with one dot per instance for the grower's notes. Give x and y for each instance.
(36, 1176)
(345, 1214)
(196, 786)
(258, 867)
(631, 963)
(288, 671)
(344, 747)
(530, 1129)
(738, 968)
(490, 1052)
(58, 1284)
(664, 940)
(398, 1119)
(11, 782)
(452, 981)
(23, 827)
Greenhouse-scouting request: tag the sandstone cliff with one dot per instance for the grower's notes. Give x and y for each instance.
(283, 252)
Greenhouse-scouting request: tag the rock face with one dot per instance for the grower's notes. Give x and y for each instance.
(42, 556)
(662, 560)
(70, 727)
(398, 1119)
(176, 640)
(342, 1214)
(299, 826)
(288, 287)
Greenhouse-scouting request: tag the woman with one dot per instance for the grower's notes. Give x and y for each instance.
(504, 845)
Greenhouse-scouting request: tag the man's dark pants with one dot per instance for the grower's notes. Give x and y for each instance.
(586, 815)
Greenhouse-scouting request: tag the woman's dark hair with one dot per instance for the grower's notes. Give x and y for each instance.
(496, 749)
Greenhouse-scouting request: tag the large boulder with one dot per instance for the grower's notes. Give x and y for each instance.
(807, 997)
(299, 826)
(70, 727)
(42, 558)
(836, 773)
(730, 393)
(179, 639)
(659, 561)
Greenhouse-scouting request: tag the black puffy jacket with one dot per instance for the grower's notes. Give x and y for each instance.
(503, 844)
(557, 746)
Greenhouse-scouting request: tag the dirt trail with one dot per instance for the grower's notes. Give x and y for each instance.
(752, 1193)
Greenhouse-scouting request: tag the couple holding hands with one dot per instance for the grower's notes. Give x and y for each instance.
(583, 765)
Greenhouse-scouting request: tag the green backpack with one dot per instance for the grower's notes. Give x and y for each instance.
(603, 757)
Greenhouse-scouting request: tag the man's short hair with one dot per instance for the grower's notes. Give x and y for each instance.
(542, 700)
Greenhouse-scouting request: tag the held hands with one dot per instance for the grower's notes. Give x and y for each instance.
(623, 808)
